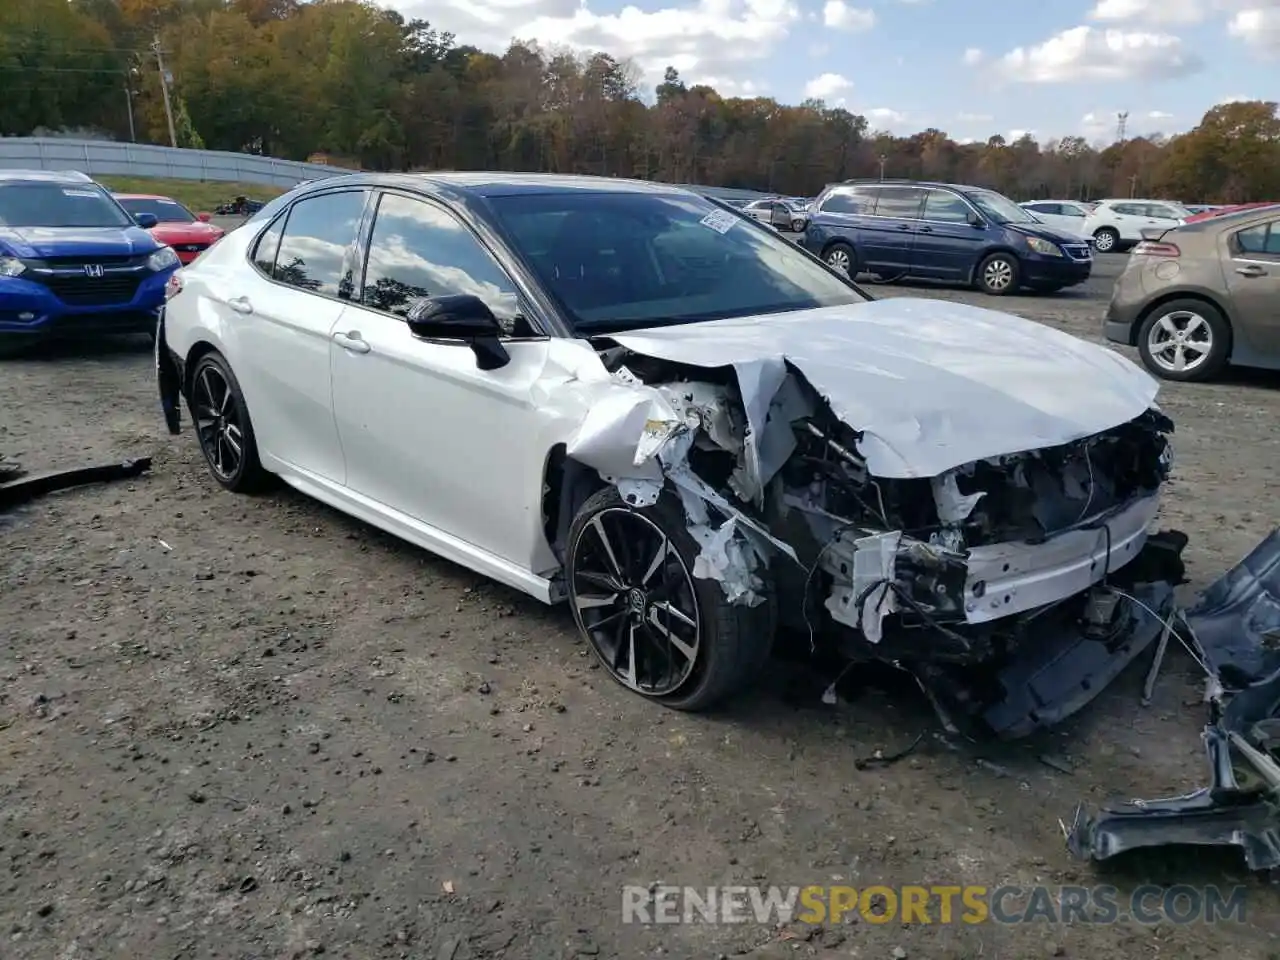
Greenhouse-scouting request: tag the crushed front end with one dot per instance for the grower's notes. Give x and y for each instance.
(1014, 587)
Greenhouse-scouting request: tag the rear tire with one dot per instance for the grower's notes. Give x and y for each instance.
(631, 588)
(223, 426)
(1194, 330)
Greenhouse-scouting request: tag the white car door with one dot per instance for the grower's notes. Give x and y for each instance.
(425, 431)
(283, 311)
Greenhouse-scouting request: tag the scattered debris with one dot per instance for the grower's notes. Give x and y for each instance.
(879, 759)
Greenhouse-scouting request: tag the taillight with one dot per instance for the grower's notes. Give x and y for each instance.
(1156, 248)
(173, 287)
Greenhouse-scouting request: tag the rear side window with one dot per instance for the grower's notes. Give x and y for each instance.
(317, 236)
(1128, 209)
(902, 203)
(1155, 210)
(849, 201)
(1264, 239)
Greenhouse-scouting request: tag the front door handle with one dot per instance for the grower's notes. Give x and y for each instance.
(351, 341)
(240, 305)
(1253, 270)
(926, 229)
(904, 226)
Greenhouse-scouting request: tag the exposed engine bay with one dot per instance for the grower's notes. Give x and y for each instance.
(979, 580)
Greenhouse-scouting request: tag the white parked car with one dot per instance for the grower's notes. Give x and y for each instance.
(772, 212)
(623, 396)
(1118, 224)
(1068, 215)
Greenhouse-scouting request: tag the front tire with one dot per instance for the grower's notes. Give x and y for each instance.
(1106, 240)
(223, 426)
(841, 258)
(658, 630)
(1185, 340)
(999, 274)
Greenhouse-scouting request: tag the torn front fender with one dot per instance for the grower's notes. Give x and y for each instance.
(168, 380)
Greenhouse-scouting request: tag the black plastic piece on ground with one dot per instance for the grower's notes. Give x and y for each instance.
(38, 484)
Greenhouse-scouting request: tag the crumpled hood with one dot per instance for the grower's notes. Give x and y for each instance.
(38, 242)
(931, 384)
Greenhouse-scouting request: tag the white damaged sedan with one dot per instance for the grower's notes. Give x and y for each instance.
(633, 398)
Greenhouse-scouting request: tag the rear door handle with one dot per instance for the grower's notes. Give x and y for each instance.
(351, 341)
(1250, 271)
(904, 226)
(240, 305)
(926, 229)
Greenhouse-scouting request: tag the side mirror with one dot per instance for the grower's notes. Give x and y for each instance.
(146, 220)
(460, 316)
(977, 222)
(204, 217)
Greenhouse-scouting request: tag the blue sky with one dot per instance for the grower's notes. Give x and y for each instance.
(970, 67)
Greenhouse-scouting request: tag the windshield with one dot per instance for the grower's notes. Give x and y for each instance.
(620, 261)
(164, 210)
(27, 204)
(999, 208)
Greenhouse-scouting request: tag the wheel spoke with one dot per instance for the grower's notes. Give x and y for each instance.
(598, 527)
(232, 433)
(1167, 324)
(656, 563)
(686, 650)
(593, 603)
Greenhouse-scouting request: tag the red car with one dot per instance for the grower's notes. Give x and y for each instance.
(1208, 214)
(190, 234)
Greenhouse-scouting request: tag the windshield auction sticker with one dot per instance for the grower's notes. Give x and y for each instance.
(721, 221)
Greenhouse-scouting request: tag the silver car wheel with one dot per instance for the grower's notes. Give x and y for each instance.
(838, 260)
(1104, 241)
(998, 274)
(1180, 341)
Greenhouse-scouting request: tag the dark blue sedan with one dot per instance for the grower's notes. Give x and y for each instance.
(900, 229)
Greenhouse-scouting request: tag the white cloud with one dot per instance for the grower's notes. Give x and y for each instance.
(838, 15)
(883, 118)
(972, 56)
(1159, 115)
(711, 38)
(1259, 28)
(1019, 134)
(1089, 53)
(1104, 124)
(826, 86)
(1235, 98)
(1149, 11)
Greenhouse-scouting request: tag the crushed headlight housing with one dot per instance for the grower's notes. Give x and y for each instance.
(1044, 247)
(11, 267)
(162, 259)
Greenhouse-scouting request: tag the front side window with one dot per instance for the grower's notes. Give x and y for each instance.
(999, 208)
(901, 203)
(622, 261)
(945, 207)
(317, 235)
(164, 210)
(1262, 239)
(56, 205)
(849, 201)
(419, 250)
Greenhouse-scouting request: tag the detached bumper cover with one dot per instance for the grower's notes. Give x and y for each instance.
(1236, 626)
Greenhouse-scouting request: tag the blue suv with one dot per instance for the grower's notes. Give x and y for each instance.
(73, 261)
(900, 229)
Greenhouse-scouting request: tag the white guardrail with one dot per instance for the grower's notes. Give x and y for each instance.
(105, 158)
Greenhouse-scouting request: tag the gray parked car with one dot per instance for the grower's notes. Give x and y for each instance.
(1199, 296)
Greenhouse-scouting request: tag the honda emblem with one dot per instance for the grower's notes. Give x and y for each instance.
(93, 269)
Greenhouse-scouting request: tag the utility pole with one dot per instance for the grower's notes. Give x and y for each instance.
(165, 80)
(1122, 123)
(128, 99)
(1133, 185)
(883, 160)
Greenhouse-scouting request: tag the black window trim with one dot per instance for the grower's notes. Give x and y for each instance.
(283, 218)
(529, 308)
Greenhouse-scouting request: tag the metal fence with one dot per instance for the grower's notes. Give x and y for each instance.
(106, 158)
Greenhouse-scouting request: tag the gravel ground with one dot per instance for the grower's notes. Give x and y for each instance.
(251, 727)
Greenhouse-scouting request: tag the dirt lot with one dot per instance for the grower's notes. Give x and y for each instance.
(252, 728)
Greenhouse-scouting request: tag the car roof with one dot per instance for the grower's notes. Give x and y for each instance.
(142, 196)
(46, 176)
(498, 184)
(927, 184)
